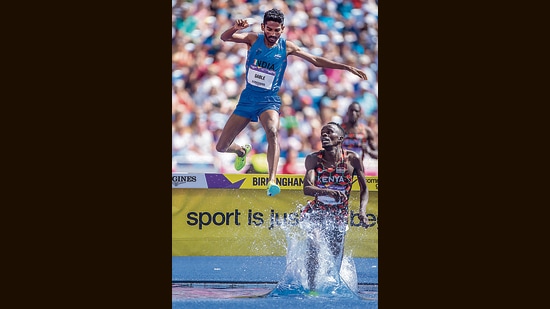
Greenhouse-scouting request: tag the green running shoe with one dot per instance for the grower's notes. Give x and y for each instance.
(241, 161)
(273, 189)
(313, 293)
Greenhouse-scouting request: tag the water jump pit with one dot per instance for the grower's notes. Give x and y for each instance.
(263, 282)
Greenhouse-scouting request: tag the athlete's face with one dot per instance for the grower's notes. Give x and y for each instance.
(354, 112)
(330, 135)
(272, 31)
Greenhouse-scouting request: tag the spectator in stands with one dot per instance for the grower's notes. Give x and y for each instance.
(290, 162)
(181, 139)
(199, 144)
(372, 125)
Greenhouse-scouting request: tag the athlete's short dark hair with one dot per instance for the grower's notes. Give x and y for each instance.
(342, 131)
(274, 15)
(355, 103)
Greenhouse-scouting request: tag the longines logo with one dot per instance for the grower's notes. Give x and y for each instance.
(178, 180)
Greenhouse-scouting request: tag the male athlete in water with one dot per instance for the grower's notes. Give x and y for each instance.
(265, 66)
(329, 178)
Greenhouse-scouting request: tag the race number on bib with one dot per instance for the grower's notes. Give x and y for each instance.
(260, 77)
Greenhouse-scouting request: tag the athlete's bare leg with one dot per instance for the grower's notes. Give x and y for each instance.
(270, 121)
(235, 124)
(335, 239)
(312, 258)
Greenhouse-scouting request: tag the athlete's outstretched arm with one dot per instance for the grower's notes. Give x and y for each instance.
(293, 49)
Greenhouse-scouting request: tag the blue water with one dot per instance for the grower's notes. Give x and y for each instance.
(256, 270)
(251, 269)
(355, 286)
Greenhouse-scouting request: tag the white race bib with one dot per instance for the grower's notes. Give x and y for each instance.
(329, 200)
(260, 77)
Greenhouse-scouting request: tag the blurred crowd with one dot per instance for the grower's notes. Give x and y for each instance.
(208, 77)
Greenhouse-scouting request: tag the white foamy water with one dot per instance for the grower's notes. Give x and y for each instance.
(333, 278)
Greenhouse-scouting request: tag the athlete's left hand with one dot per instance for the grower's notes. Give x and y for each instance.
(357, 72)
(364, 220)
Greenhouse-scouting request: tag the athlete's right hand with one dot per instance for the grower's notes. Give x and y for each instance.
(241, 24)
(339, 196)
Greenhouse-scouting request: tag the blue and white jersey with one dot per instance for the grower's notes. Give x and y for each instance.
(265, 68)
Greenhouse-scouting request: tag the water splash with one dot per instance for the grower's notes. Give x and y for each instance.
(334, 277)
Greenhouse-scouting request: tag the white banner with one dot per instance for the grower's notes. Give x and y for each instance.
(189, 180)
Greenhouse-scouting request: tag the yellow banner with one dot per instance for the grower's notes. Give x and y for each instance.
(286, 182)
(236, 222)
